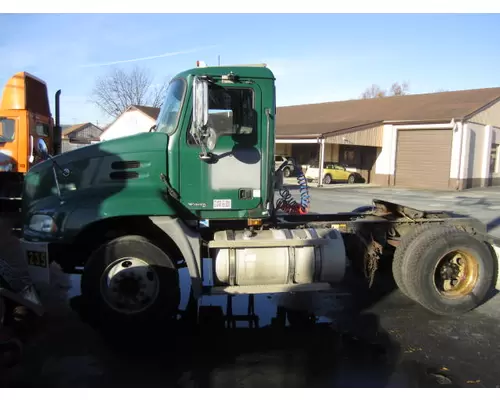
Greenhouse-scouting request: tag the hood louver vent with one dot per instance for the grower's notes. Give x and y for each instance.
(121, 165)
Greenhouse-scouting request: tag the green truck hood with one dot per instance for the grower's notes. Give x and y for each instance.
(116, 177)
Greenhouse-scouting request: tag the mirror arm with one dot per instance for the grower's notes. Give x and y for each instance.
(65, 171)
(56, 181)
(209, 157)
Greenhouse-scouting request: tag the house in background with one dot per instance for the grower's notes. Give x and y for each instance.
(135, 119)
(447, 140)
(75, 136)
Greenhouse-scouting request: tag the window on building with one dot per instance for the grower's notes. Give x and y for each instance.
(494, 159)
(349, 156)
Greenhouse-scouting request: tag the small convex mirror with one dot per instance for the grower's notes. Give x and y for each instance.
(42, 149)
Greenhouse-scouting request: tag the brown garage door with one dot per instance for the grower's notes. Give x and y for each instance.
(423, 158)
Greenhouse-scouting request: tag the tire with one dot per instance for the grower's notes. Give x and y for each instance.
(327, 179)
(287, 172)
(162, 288)
(422, 259)
(11, 353)
(351, 179)
(399, 254)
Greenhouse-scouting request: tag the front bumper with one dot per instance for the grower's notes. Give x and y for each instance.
(37, 258)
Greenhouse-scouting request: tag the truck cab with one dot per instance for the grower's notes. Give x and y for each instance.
(25, 119)
(208, 164)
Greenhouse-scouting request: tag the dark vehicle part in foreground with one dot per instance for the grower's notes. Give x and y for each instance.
(199, 193)
(18, 297)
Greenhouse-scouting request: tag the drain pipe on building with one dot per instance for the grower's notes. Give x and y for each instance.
(460, 151)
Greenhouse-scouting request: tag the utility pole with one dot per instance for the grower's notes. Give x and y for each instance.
(219, 60)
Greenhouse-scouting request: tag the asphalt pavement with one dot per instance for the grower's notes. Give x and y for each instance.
(390, 342)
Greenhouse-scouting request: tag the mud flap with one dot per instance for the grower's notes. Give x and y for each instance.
(496, 249)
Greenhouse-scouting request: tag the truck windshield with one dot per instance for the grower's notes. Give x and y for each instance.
(7, 129)
(170, 110)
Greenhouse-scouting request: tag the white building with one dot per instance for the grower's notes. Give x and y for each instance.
(135, 119)
(448, 140)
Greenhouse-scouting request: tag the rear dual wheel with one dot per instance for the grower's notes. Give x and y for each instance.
(446, 270)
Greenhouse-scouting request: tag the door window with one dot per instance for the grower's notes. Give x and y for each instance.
(230, 112)
(7, 129)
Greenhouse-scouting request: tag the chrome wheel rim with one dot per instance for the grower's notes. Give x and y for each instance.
(129, 285)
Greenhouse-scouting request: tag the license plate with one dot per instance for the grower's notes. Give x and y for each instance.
(37, 258)
(36, 254)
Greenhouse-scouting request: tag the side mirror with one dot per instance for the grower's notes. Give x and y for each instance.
(204, 135)
(200, 104)
(42, 149)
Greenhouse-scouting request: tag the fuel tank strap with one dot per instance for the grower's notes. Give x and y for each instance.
(250, 243)
(291, 258)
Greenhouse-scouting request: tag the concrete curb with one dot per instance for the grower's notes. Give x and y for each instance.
(293, 182)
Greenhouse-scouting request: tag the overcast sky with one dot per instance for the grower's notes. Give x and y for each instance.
(316, 58)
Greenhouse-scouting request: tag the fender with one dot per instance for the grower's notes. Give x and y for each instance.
(93, 209)
(188, 242)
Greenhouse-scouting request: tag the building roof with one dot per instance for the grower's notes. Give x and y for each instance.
(313, 120)
(152, 112)
(67, 130)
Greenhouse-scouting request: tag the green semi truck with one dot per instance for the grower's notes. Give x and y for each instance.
(200, 191)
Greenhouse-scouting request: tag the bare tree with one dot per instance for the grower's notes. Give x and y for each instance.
(398, 89)
(372, 92)
(116, 91)
(375, 91)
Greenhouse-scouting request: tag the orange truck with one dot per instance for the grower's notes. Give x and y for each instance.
(25, 117)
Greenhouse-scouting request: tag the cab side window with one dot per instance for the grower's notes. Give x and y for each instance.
(230, 113)
(42, 130)
(7, 129)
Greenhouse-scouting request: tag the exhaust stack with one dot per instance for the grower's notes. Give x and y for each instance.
(57, 126)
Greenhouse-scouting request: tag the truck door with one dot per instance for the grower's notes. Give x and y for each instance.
(232, 181)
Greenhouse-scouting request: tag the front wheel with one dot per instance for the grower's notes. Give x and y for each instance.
(327, 179)
(287, 172)
(351, 179)
(131, 281)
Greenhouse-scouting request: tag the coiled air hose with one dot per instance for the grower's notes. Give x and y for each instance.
(288, 204)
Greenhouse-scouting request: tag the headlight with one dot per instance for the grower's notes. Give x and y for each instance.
(42, 223)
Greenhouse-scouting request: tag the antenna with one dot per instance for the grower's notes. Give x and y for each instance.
(218, 60)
